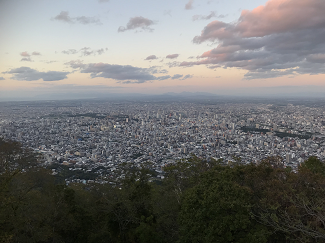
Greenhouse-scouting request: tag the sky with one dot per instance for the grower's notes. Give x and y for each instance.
(83, 48)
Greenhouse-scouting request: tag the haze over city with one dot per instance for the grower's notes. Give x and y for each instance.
(86, 49)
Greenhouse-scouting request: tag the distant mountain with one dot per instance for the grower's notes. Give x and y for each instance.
(189, 94)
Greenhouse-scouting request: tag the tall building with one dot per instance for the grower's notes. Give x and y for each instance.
(288, 158)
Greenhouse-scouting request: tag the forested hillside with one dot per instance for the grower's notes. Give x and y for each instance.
(197, 201)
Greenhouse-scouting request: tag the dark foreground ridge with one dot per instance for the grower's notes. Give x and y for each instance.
(197, 201)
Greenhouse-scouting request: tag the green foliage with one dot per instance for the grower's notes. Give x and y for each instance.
(198, 201)
(314, 165)
(221, 208)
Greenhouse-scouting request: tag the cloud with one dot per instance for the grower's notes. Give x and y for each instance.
(177, 76)
(85, 51)
(64, 17)
(187, 76)
(75, 64)
(26, 59)
(173, 64)
(87, 20)
(70, 51)
(28, 74)
(284, 37)
(122, 73)
(103, 1)
(316, 58)
(137, 22)
(156, 69)
(189, 5)
(24, 54)
(164, 77)
(101, 51)
(152, 57)
(207, 17)
(2, 78)
(119, 72)
(172, 56)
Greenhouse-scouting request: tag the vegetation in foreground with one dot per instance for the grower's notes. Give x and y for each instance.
(198, 201)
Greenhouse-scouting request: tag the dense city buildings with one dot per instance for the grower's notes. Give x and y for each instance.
(101, 135)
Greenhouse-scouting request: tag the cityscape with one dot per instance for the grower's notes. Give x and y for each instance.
(162, 121)
(98, 136)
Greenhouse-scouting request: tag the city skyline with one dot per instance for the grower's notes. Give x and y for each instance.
(85, 48)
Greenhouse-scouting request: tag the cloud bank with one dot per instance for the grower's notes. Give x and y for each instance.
(125, 74)
(284, 37)
(119, 72)
(29, 74)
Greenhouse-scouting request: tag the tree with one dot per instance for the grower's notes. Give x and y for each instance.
(14, 160)
(291, 204)
(314, 165)
(218, 210)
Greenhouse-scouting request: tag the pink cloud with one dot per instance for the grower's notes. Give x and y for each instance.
(24, 54)
(215, 30)
(277, 16)
(284, 37)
